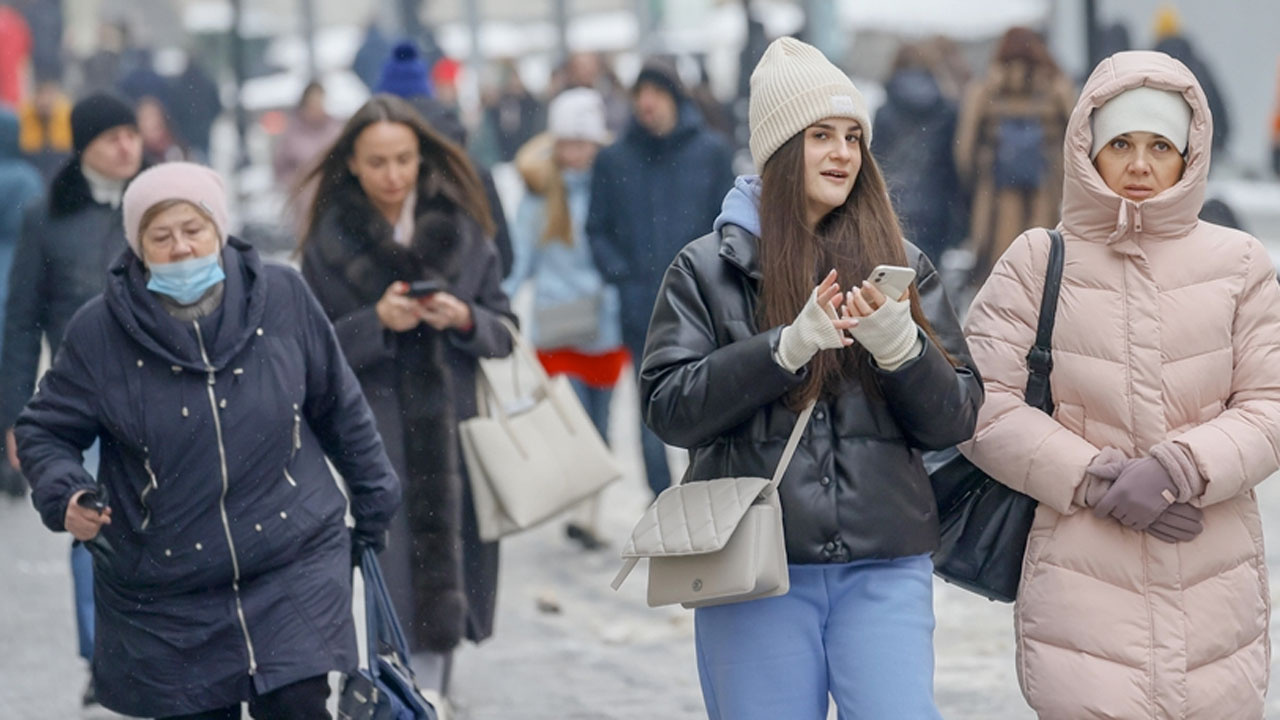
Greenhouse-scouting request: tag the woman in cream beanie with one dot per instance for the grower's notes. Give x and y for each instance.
(752, 326)
(1144, 591)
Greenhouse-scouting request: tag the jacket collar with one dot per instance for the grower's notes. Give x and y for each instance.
(741, 249)
(226, 332)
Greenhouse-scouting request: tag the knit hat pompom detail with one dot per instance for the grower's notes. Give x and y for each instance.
(189, 182)
(794, 86)
(405, 74)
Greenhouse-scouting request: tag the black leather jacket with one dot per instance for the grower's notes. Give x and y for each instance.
(856, 488)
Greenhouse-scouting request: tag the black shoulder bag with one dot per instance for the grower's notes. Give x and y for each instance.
(984, 524)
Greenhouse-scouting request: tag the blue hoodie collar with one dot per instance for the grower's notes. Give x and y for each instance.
(741, 205)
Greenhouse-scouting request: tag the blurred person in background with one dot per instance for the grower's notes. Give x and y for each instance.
(45, 130)
(308, 132)
(1172, 41)
(590, 70)
(1275, 127)
(15, 54)
(69, 239)
(20, 185)
(397, 202)
(194, 103)
(1145, 573)
(552, 251)
(652, 191)
(404, 74)
(218, 391)
(717, 116)
(915, 136)
(1009, 146)
(512, 113)
(160, 143)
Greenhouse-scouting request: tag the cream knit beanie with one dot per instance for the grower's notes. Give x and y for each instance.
(1142, 109)
(792, 87)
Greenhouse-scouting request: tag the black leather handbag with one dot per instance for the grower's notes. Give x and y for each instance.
(386, 689)
(984, 524)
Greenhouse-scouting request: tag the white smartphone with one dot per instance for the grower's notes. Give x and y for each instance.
(892, 280)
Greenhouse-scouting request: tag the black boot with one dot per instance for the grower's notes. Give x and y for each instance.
(584, 537)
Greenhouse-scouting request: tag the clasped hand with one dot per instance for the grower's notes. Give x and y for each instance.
(400, 313)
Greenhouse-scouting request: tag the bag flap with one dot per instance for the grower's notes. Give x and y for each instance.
(693, 518)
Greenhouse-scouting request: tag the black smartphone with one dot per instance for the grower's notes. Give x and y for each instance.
(91, 500)
(424, 288)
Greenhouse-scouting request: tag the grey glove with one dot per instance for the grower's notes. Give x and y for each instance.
(1179, 523)
(890, 335)
(1143, 491)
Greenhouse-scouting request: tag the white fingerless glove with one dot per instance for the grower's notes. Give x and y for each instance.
(810, 332)
(890, 335)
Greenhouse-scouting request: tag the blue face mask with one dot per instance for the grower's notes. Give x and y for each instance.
(186, 280)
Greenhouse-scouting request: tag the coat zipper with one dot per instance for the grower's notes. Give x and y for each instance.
(222, 500)
(146, 491)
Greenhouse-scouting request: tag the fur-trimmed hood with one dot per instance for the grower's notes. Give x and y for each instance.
(352, 235)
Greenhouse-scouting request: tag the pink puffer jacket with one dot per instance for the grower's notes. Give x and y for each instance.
(1167, 337)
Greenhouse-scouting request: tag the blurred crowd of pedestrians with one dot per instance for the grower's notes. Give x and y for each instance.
(617, 177)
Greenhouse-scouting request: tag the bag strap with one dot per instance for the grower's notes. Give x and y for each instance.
(1040, 357)
(789, 451)
(381, 624)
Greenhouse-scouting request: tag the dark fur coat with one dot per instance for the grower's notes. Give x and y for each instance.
(420, 384)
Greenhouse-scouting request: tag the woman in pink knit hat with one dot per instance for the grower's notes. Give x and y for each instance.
(216, 387)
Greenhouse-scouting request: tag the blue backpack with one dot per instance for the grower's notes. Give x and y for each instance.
(1019, 159)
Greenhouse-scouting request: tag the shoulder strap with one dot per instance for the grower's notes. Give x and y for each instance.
(792, 443)
(1040, 357)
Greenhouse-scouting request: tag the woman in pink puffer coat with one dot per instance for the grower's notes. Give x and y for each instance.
(1144, 591)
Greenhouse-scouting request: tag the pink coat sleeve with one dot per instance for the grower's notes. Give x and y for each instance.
(1015, 443)
(1241, 447)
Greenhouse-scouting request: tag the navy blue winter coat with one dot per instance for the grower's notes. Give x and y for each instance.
(229, 560)
(650, 196)
(914, 146)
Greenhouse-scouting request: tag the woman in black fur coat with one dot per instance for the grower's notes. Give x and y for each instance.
(397, 202)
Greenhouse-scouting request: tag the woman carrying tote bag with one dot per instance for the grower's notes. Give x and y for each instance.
(741, 340)
(575, 314)
(397, 204)
(1144, 579)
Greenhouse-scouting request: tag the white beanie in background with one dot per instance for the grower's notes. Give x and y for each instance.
(578, 114)
(792, 87)
(1142, 109)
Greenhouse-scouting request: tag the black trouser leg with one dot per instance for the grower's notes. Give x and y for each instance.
(303, 700)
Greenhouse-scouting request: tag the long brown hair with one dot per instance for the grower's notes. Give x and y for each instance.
(439, 155)
(852, 238)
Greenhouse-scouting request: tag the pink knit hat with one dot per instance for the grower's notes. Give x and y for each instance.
(192, 183)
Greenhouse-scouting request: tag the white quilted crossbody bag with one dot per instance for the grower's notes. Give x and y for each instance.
(715, 542)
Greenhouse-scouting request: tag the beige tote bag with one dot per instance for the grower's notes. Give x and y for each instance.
(527, 466)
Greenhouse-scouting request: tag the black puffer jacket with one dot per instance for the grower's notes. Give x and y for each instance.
(856, 488)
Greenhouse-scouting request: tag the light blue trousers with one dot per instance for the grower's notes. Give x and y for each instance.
(860, 632)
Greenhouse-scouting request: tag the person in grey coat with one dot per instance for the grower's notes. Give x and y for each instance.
(216, 389)
(397, 203)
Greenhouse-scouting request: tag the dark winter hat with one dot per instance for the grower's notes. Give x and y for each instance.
(96, 114)
(404, 74)
(661, 73)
